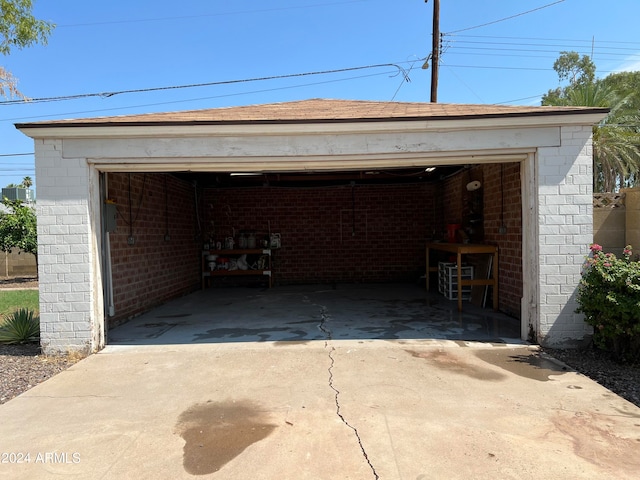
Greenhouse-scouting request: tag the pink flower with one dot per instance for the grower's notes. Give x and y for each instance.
(595, 247)
(607, 264)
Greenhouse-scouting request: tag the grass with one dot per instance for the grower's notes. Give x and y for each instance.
(10, 301)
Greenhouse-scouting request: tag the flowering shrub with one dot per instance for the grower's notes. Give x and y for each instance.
(609, 297)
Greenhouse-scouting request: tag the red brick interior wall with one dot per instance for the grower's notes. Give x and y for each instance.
(153, 270)
(332, 234)
(505, 209)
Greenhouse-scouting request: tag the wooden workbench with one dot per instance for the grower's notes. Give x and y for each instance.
(467, 248)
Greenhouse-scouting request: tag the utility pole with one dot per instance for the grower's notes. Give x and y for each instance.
(435, 51)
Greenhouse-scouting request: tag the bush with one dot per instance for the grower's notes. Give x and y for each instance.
(609, 297)
(21, 326)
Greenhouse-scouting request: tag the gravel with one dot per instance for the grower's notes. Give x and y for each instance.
(24, 366)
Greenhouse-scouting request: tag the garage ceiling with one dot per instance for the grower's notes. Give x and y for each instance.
(307, 179)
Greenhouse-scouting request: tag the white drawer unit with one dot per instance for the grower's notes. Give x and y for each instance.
(448, 280)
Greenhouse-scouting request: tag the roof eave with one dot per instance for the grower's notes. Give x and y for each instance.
(122, 129)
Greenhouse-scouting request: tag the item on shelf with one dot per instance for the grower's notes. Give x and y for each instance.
(242, 262)
(236, 262)
(211, 259)
(251, 240)
(242, 241)
(275, 240)
(229, 243)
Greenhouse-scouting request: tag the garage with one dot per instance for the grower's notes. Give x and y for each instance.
(337, 191)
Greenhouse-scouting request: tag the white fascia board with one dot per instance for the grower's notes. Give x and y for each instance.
(306, 164)
(145, 131)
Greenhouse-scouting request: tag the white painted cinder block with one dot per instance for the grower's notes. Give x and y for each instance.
(565, 220)
(64, 246)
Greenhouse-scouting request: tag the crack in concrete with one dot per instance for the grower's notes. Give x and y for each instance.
(324, 315)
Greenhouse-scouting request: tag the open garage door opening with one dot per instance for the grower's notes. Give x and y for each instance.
(219, 234)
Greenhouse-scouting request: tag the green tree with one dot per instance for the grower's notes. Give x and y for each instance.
(577, 70)
(27, 182)
(18, 29)
(627, 84)
(616, 140)
(18, 228)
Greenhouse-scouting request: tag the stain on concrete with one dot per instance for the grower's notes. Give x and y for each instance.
(446, 360)
(522, 362)
(287, 343)
(217, 432)
(160, 328)
(262, 334)
(593, 439)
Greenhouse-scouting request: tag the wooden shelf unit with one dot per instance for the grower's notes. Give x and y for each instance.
(208, 274)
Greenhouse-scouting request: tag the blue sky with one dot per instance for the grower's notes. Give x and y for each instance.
(145, 44)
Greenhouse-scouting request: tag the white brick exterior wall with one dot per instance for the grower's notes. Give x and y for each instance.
(565, 230)
(66, 300)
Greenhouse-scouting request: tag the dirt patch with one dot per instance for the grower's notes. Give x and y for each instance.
(18, 282)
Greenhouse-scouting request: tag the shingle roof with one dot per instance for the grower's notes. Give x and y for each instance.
(320, 110)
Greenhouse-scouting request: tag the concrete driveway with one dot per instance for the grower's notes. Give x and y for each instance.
(354, 408)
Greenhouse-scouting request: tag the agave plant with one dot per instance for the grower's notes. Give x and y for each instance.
(21, 326)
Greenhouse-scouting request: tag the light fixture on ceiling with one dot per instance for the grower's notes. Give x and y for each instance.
(473, 186)
(429, 169)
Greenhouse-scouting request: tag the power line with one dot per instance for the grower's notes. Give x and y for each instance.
(547, 39)
(199, 99)
(504, 19)
(520, 99)
(496, 67)
(15, 154)
(494, 49)
(194, 85)
(206, 15)
(514, 44)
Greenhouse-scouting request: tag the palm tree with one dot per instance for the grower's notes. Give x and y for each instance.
(27, 182)
(616, 139)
